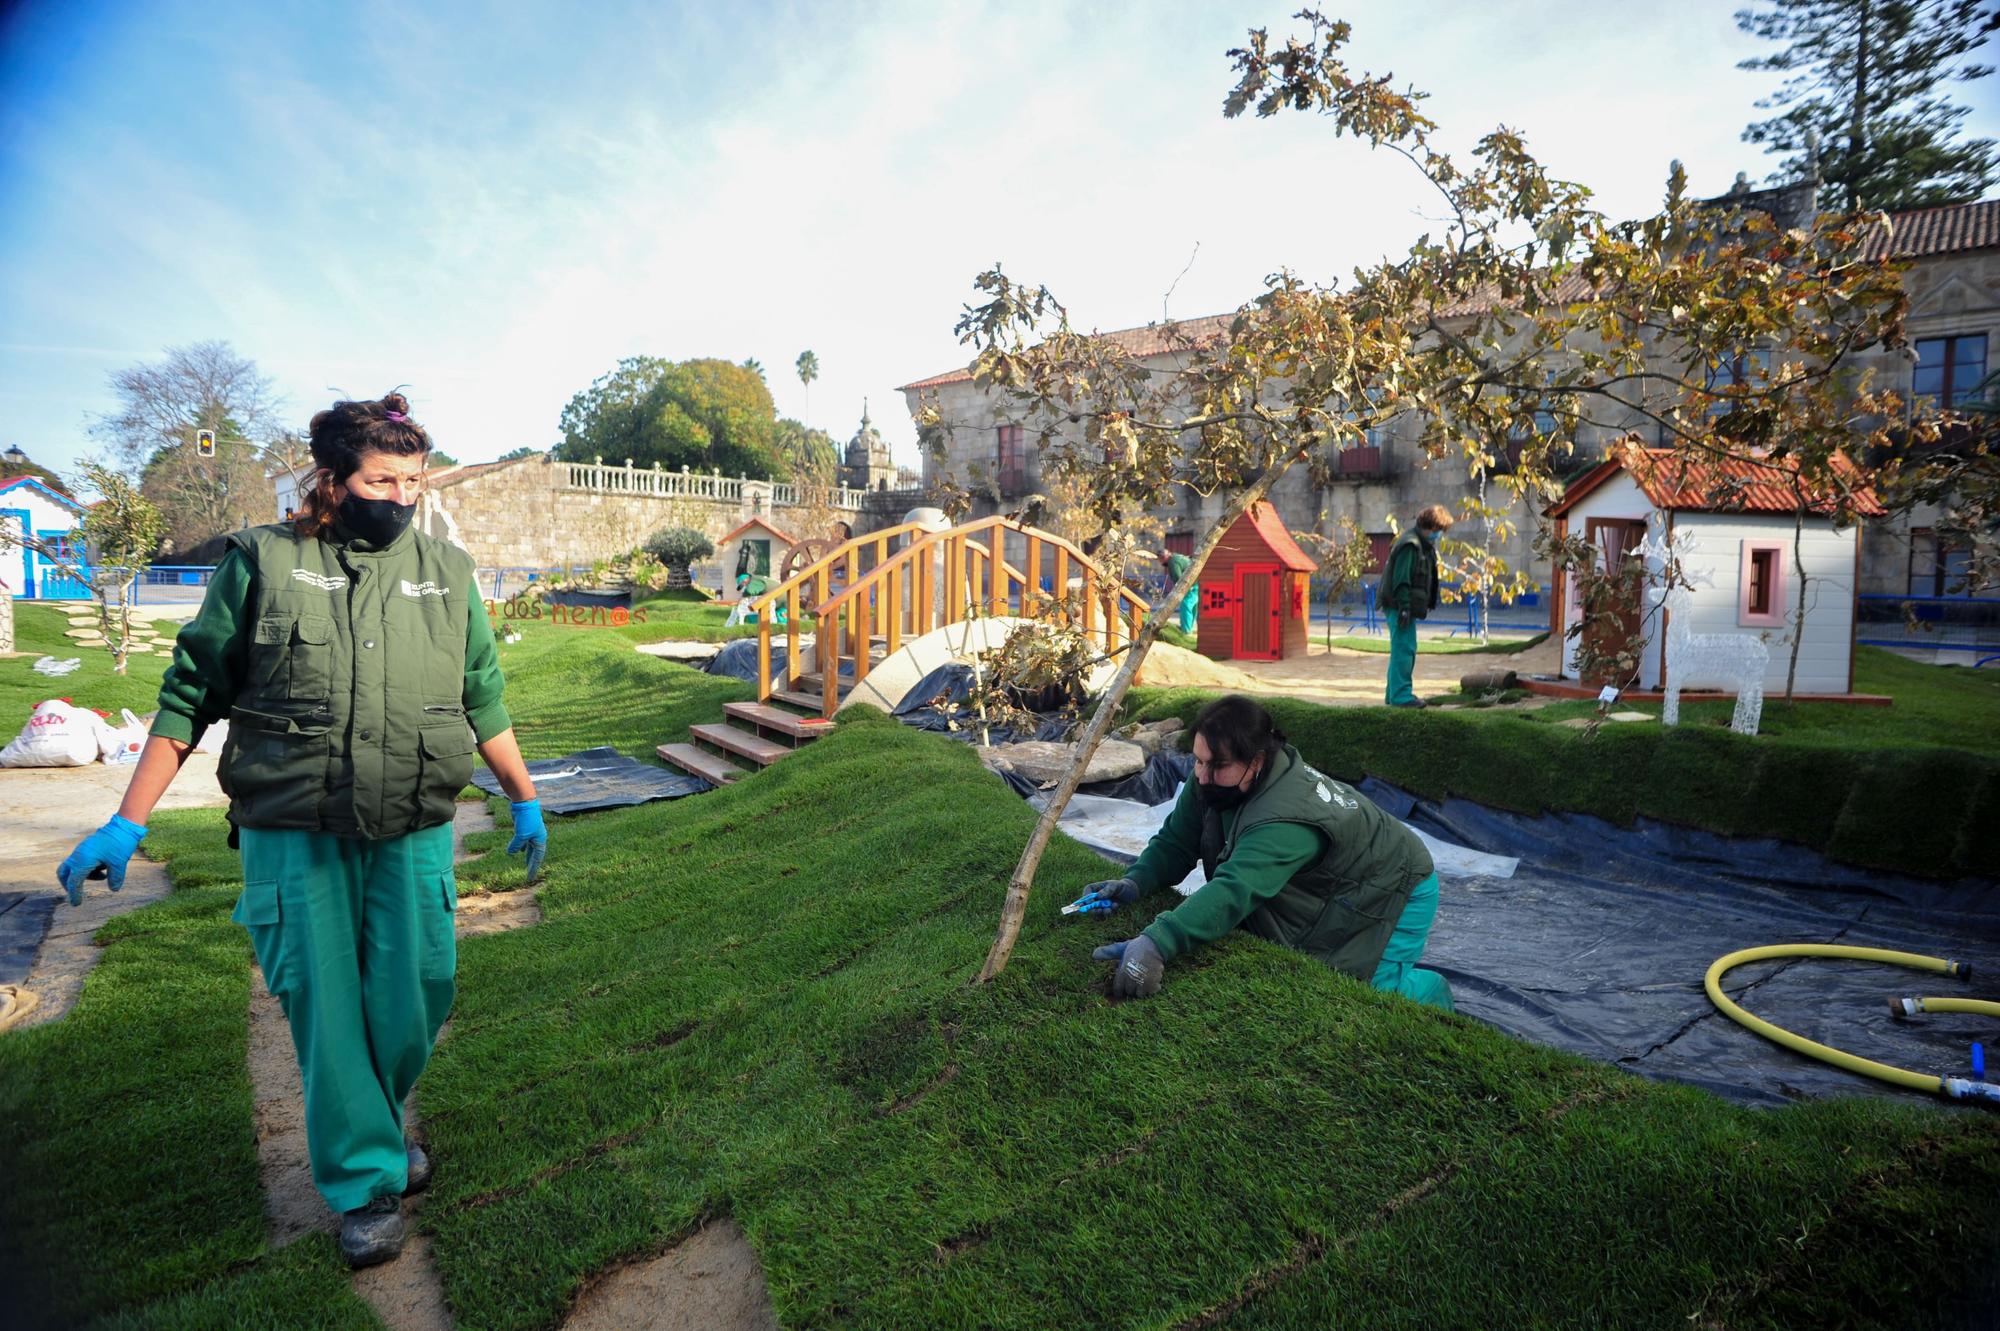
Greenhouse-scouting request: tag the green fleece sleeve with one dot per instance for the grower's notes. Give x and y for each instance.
(483, 685)
(1257, 870)
(1173, 849)
(211, 653)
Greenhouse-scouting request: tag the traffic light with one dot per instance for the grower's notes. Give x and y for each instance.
(204, 443)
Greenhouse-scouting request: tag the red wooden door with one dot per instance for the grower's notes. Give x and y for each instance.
(1258, 612)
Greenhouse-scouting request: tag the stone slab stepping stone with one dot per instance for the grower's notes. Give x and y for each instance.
(1044, 762)
(1631, 716)
(682, 651)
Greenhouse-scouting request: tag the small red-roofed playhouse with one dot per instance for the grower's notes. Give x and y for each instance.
(1254, 599)
(1741, 516)
(756, 548)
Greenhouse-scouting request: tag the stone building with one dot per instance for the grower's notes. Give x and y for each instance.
(1954, 287)
(868, 465)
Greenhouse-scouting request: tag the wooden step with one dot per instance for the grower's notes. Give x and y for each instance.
(742, 743)
(812, 682)
(700, 762)
(765, 717)
(811, 702)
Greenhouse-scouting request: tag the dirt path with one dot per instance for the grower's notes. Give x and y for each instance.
(1354, 679)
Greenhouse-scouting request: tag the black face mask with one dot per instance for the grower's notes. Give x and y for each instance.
(376, 521)
(1221, 798)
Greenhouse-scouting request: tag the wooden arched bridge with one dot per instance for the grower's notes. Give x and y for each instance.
(873, 595)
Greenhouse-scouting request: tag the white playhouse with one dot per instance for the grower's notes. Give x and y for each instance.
(1733, 520)
(28, 506)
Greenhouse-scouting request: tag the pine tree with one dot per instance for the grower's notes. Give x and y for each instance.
(1864, 80)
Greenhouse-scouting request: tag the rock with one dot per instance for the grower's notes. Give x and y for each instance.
(1044, 762)
(682, 651)
(1173, 725)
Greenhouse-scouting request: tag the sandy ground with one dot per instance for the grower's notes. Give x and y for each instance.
(1349, 678)
(711, 1281)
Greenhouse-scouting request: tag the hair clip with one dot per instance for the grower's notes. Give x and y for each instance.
(397, 416)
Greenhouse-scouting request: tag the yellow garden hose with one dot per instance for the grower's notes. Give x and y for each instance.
(1956, 1088)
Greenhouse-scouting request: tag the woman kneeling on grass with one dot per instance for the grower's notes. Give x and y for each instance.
(356, 669)
(1291, 855)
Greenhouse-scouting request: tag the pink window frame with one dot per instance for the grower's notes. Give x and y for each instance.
(1780, 586)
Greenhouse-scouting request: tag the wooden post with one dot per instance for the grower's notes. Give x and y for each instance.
(865, 631)
(829, 667)
(791, 636)
(764, 653)
(1034, 583)
(892, 610)
(1089, 600)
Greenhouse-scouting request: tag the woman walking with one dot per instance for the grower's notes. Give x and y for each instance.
(357, 672)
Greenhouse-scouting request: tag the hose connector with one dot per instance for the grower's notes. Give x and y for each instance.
(1906, 1009)
(1962, 1088)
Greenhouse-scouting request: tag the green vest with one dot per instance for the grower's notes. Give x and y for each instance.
(1343, 908)
(1420, 582)
(351, 718)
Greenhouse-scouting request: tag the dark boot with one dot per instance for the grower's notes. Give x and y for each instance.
(420, 1171)
(372, 1233)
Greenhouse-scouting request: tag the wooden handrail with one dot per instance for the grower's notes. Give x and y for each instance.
(975, 573)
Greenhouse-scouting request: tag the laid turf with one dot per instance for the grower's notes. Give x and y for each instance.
(755, 1002)
(38, 632)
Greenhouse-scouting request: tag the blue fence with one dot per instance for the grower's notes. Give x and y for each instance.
(1967, 624)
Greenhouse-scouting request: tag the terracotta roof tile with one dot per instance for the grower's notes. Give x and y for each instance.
(1720, 485)
(1149, 340)
(1952, 229)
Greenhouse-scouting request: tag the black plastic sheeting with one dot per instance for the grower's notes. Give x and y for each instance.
(938, 703)
(1599, 942)
(738, 659)
(600, 778)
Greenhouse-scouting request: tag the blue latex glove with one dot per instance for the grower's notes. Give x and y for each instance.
(1107, 896)
(1140, 967)
(102, 854)
(529, 835)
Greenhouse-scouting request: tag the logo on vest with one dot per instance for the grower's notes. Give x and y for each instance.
(424, 588)
(319, 580)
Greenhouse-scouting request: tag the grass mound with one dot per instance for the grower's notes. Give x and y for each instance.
(756, 1002)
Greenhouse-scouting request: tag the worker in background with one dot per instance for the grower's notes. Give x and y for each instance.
(1177, 567)
(1410, 592)
(1291, 855)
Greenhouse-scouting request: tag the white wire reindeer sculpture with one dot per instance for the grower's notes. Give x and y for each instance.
(1737, 657)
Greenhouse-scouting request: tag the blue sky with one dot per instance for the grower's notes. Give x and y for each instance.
(493, 203)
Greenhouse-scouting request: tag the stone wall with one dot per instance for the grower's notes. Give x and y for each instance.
(533, 513)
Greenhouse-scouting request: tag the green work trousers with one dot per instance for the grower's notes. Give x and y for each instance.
(1402, 658)
(1399, 973)
(1190, 605)
(355, 938)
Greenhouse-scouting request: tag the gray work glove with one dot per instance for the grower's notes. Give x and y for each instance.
(1107, 896)
(1140, 967)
